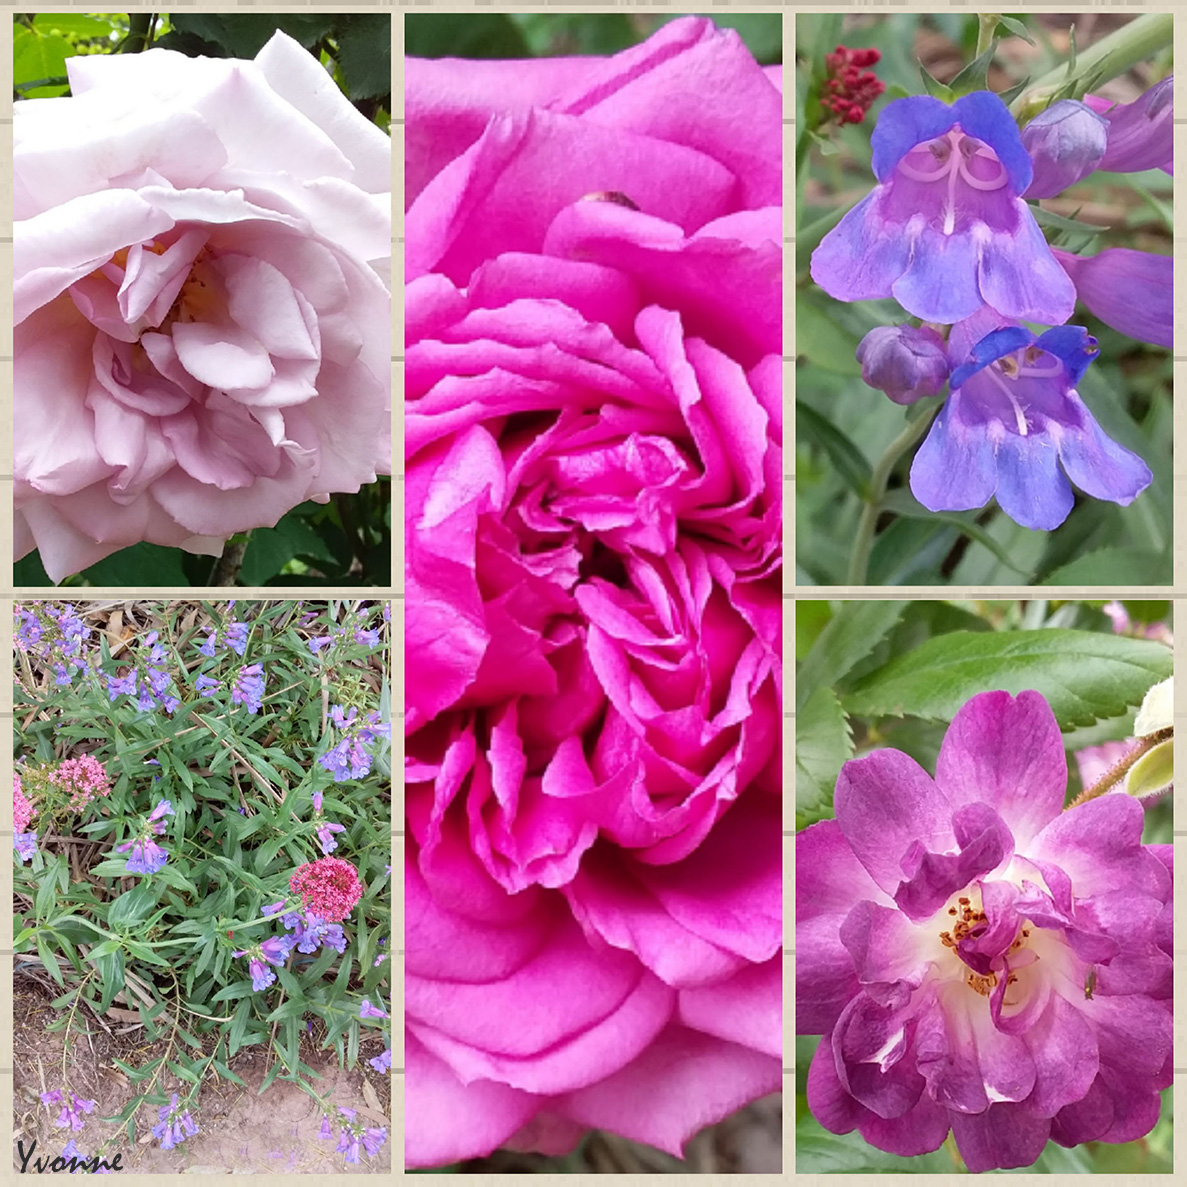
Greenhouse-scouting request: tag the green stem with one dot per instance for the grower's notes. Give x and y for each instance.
(1120, 769)
(860, 559)
(986, 27)
(1116, 53)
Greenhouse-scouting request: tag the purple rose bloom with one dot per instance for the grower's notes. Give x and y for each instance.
(1012, 418)
(979, 959)
(1132, 291)
(946, 230)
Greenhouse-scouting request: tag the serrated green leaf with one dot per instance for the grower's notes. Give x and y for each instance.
(823, 743)
(849, 636)
(1085, 676)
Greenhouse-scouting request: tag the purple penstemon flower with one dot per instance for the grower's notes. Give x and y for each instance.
(175, 1124)
(235, 637)
(1132, 291)
(207, 647)
(25, 845)
(979, 959)
(325, 835)
(1012, 419)
(248, 688)
(205, 684)
(73, 1106)
(1139, 133)
(118, 686)
(382, 1063)
(945, 231)
(147, 856)
(367, 1010)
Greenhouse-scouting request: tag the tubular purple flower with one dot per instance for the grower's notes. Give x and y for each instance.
(275, 949)
(373, 1139)
(25, 845)
(205, 684)
(946, 230)
(325, 1131)
(261, 975)
(1132, 291)
(1012, 418)
(979, 959)
(1065, 142)
(906, 362)
(325, 835)
(1140, 133)
(147, 856)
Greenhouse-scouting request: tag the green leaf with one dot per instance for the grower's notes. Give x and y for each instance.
(1017, 27)
(132, 907)
(37, 56)
(140, 565)
(823, 743)
(936, 88)
(365, 55)
(821, 339)
(1084, 675)
(850, 462)
(820, 1152)
(973, 76)
(902, 502)
(854, 630)
(270, 549)
(1057, 222)
(73, 25)
(463, 35)
(1114, 566)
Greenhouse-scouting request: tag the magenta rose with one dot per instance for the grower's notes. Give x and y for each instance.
(592, 571)
(202, 324)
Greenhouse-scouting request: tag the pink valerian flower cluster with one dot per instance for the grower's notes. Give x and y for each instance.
(83, 778)
(329, 888)
(22, 810)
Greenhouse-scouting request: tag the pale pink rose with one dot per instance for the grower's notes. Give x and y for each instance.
(593, 554)
(202, 331)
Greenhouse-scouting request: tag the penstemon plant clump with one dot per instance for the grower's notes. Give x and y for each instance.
(175, 812)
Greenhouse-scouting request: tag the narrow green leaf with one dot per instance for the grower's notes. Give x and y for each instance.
(849, 461)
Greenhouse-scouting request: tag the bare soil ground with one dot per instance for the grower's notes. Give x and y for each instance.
(241, 1132)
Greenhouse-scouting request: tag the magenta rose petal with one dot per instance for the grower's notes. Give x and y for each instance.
(593, 526)
(681, 1083)
(446, 1120)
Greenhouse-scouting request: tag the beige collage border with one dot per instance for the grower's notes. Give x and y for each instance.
(791, 592)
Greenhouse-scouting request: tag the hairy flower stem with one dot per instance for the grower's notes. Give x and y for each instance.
(1111, 56)
(986, 27)
(859, 560)
(1119, 769)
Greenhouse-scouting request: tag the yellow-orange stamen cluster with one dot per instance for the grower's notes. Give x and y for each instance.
(967, 918)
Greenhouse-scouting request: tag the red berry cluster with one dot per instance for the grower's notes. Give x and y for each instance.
(850, 88)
